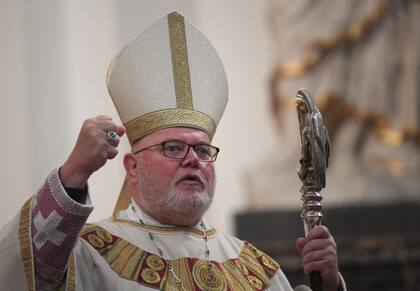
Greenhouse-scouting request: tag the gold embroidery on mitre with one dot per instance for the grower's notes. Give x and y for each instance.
(180, 67)
(247, 272)
(150, 122)
(203, 276)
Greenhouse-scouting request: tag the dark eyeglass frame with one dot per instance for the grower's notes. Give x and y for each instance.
(193, 146)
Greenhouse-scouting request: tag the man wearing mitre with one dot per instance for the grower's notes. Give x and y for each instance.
(170, 90)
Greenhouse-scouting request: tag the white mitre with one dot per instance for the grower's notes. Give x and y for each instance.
(169, 75)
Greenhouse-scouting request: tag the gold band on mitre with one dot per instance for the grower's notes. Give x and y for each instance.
(153, 121)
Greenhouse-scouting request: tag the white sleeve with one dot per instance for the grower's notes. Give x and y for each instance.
(279, 282)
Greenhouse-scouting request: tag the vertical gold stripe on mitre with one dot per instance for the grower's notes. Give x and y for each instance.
(180, 67)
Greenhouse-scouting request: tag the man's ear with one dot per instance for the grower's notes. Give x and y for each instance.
(130, 165)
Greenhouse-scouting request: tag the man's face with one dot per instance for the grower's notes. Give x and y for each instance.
(167, 188)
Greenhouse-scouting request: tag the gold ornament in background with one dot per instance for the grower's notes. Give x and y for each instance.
(333, 105)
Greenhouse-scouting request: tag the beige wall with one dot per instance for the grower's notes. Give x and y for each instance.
(54, 59)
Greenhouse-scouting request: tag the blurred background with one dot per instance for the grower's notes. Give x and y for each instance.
(361, 59)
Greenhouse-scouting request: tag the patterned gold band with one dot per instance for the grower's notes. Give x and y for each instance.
(251, 270)
(26, 243)
(156, 120)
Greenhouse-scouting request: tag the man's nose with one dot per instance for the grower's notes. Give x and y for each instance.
(190, 159)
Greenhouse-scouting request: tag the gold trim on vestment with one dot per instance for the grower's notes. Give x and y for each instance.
(25, 241)
(26, 251)
(180, 67)
(185, 277)
(153, 121)
(71, 274)
(252, 270)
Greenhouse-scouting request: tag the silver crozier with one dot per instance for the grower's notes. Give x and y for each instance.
(314, 153)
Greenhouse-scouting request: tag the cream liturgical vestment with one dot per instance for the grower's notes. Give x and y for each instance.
(48, 245)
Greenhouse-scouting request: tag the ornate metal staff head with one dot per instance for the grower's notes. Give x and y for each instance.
(314, 154)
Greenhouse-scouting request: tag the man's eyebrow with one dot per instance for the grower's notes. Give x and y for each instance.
(178, 140)
(171, 139)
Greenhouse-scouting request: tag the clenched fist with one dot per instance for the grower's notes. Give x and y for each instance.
(319, 253)
(92, 149)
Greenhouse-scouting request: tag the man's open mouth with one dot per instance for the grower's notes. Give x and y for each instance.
(191, 178)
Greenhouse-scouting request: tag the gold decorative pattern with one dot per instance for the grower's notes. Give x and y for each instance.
(318, 48)
(257, 283)
(155, 263)
(181, 268)
(313, 54)
(252, 270)
(160, 119)
(150, 276)
(180, 67)
(71, 275)
(96, 241)
(236, 275)
(255, 251)
(202, 276)
(243, 269)
(26, 243)
(269, 262)
(105, 236)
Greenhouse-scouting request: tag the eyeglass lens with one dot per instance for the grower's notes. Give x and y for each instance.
(178, 150)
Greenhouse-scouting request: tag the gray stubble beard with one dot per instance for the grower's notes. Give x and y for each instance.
(195, 204)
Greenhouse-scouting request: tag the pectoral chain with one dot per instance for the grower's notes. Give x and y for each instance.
(170, 267)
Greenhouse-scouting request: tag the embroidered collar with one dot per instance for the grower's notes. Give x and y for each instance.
(252, 270)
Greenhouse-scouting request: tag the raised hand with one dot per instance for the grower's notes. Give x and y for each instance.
(95, 145)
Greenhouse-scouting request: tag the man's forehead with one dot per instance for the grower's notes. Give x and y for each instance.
(180, 133)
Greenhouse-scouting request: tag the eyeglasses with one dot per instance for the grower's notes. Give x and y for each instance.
(178, 150)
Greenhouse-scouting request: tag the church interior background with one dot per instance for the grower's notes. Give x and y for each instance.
(362, 61)
(360, 58)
